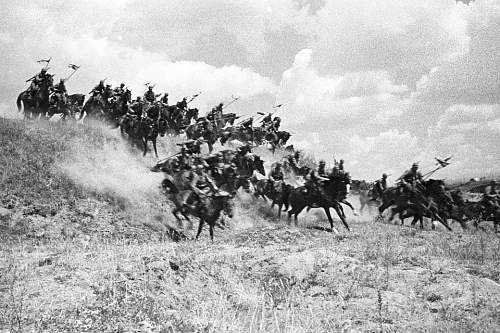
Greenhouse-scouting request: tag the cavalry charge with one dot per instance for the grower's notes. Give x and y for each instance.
(204, 186)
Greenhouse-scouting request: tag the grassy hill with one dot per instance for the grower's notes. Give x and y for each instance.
(84, 248)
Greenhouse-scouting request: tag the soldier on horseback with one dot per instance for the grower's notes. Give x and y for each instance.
(37, 81)
(293, 160)
(275, 124)
(136, 108)
(322, 169)
(182, 104)
(379, 187)
(267, 120)
(409, 180)
(119, 91)
(164, 99)
(149, 95)
(60, 96)
(98, 89)
(315, 179)
(276, 178)
(491, 200)
(202, 186)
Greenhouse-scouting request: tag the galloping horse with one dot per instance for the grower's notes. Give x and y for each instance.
(332, 196)
(37, 104)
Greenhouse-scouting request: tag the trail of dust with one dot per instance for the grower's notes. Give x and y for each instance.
(108, 166)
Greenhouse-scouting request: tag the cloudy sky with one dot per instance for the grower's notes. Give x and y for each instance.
(380, 83)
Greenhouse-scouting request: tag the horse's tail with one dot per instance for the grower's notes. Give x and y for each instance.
(19, 102)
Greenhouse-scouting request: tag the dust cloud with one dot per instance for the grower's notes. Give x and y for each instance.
(103, 163)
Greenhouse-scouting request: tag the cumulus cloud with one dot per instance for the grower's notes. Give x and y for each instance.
(370, 81)
(103, 57)
(346, 100)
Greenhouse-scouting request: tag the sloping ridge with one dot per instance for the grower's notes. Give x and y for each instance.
(71, 180)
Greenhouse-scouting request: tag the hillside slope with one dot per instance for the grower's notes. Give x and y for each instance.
(67, 180)
(83, 249)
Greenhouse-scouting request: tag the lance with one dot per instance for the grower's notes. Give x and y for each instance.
(193, 97)
(234, 100)
(440, 164)
(46, 62)
(75, 68)
(167, 158)
(430, 173)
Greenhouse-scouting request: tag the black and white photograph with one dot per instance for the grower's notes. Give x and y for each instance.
(280, 166)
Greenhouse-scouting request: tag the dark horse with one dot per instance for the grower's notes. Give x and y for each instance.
(206, 208)
(426, 201)
(142, 131)
(38, 104)
(332, 196)
(277, 139)
(277, 192)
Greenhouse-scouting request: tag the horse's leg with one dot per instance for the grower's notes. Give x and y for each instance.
(330, 219)
(340, 213)
(154, 146)
(145, 143)
(200, 227)
(211, 230)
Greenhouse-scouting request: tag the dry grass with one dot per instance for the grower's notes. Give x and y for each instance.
(88, 267)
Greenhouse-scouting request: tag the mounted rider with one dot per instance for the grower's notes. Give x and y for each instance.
(275, 125)
(409, 180)
(182, 104)
(108, 93)
(38, 80)
(379, 187)
(216, 112)
(491, 200)
(293, 160)
(201, 185)
(60, 93)
(98, 89)
(276, 178)
(136, 108)
(119, 91)
(267, 120)
(164, 99)
(315, 179)
(149, 95)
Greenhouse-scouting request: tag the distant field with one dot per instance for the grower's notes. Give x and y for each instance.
(85, 246)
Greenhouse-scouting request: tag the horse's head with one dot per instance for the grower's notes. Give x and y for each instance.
(283, 137)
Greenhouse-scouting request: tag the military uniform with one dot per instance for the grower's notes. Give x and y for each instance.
(149, 96)
(379, 187)
(98, 89)
(315, 179)
(409, 179)
(60, 92)
(182, 104)
(164, 99)
(276, 178)
(136, 108)
(38, 80)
